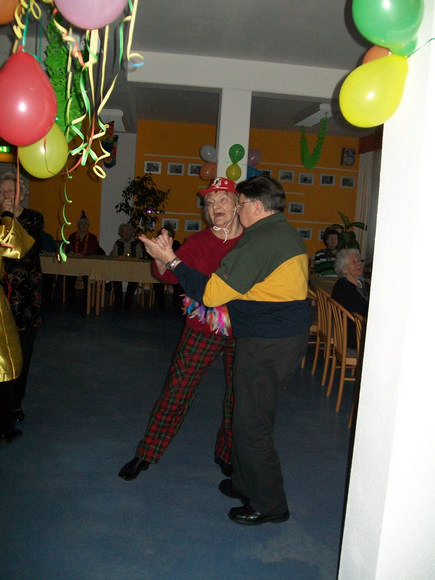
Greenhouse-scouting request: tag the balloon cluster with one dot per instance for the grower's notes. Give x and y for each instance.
(254, 158)
(372, 92)
(236, 153)
(209, 170)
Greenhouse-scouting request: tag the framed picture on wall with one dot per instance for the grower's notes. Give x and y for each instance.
(200, 201)
(348, 156)
(321, 234)
(306, 178)
(286, 175)
(194, 169)
(327, 179)
(175, 168)
(346, 181)
(296, 207)
(305, 233)
(152, 167)
(192, 225)
(170, 223)
(266, 172)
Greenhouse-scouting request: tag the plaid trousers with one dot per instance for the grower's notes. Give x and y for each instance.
(193, 356)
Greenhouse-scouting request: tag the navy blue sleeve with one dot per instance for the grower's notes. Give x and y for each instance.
(192, 281)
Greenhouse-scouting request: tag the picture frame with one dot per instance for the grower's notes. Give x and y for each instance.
(321, 234)
(306, 178)
(348, 156)
(266, 172)
(170, 222)
(154, 167)
(305, 233)
(175, 169)
(192, 225)
(347, 181)
(286, 175)
(295, 207)
(194, 169)
(326, 179)
(200, 203)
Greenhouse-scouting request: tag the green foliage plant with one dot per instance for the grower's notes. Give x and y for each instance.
(346, 235)
(142, 201)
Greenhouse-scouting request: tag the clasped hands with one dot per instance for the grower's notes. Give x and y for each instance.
(159, 248)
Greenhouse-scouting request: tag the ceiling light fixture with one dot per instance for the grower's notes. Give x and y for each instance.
(315, 118)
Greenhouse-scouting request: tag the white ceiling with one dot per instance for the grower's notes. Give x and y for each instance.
(315, 33)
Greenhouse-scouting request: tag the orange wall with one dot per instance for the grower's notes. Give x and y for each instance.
(180, 143)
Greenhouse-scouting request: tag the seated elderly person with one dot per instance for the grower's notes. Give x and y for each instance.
(126, 246)
(351, 290)
(323, 260)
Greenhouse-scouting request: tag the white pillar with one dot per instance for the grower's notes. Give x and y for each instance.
(389, 529)
(233, 127)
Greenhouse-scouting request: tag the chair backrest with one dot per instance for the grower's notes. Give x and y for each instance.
(340, 318)
(323, 314)
(360, 326)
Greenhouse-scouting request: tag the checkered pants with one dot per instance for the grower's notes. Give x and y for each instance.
(193, 356)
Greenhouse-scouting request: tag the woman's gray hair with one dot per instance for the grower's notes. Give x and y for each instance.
(11, 176)
(342, 259)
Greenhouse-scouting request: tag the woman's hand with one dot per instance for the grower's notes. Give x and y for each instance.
(159, 248)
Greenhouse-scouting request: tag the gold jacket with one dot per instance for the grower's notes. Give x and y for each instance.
(15, 242)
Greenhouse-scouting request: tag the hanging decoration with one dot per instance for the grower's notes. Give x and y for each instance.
(236, 153)
(310, 160)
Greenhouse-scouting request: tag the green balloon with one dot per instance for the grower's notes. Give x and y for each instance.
(236, 152)
(392, 24)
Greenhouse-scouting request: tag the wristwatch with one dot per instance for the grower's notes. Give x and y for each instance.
(173, 264)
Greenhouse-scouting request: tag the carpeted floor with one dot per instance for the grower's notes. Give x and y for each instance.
(65, 513)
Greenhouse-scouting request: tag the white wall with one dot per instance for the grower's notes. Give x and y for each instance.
(112, 186)
(390, 518)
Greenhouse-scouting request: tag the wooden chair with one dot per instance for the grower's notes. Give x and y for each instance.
(324, 339)
(312, 337)
(342, 356)
(360, 326)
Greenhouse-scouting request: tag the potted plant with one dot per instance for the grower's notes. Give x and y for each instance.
(346, 235)
(142, 201)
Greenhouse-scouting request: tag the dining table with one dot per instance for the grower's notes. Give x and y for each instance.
(99, 270)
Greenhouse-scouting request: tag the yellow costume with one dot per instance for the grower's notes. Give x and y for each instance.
(15, 242)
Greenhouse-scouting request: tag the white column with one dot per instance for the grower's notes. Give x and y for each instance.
(233, 127)
(389, 529)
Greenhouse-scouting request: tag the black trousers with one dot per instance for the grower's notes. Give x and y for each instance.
(27, 340)
(7, 420)
(262, 368)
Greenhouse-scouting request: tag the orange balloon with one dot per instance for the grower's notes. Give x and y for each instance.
(7, 10)
(375, 52)
(208, 171)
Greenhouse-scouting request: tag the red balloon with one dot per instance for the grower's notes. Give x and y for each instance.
(375, 52)
(7, 10)
(208, 171)
(28, 101)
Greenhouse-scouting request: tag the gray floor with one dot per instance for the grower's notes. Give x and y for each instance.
(65, 514)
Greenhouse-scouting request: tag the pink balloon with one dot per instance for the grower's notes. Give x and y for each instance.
(91, 14)
(28, 101)
(254, 157)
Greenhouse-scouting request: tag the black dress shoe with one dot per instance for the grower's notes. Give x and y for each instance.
(226, 468)
(248, 516)
(226, 487)
(132, 469)
(6, 438)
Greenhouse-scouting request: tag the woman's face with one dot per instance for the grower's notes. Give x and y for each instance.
(7, 190)
(221, 207)
(354, 268)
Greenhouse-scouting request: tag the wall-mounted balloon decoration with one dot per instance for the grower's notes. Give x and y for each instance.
(236, 153)
(393, 23)
(90, 14)
(46, 157)
(372, 92)
(254, 157)
(208, 153)
(374, 53)
(28, 102)
(208, 171)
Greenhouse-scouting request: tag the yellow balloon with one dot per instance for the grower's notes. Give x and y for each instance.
(373, 91)
(233, 172)
(46, 157)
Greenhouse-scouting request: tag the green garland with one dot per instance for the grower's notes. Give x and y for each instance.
(310, 161)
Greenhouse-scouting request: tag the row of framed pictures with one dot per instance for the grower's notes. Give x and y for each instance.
(285, 175)
(307, 233)
(172, 168)
(190, 226)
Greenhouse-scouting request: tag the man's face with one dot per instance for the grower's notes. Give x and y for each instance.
(82, 226)
(125, 234)
(221, 207)
(7, 190)
(247, 209)
(332, 241)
